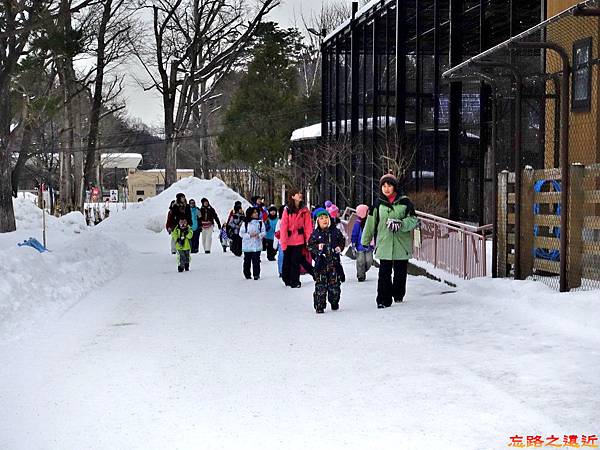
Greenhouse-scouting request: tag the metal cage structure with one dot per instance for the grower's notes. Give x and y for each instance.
(384, 96)
(545, 147)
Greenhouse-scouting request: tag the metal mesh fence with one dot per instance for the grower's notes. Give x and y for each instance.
(546, 98)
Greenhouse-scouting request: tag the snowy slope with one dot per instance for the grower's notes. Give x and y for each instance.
(151, 214)
(34, 285)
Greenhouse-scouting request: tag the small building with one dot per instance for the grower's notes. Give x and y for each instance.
(143, 184)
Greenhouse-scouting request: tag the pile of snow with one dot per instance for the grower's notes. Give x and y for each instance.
(34, 284)
(29, 217)
(151, 214)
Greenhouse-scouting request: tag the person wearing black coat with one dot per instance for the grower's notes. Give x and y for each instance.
(326, 243)
(207, 217)
(181, 209)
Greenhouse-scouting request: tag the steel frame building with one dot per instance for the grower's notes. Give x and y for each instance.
(381, 81)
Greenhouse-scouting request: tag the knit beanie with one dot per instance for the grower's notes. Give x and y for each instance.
(389, 178)
(362, 211)
(320, 212)
(333, 211)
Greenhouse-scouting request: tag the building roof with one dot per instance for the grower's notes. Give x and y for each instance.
(373, 4)
(120, 160)
(162, 170)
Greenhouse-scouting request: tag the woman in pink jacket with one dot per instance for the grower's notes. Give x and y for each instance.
(296, 228)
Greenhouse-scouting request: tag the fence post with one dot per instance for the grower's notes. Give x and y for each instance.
(501, 235)
(464, 260)
(526, 234)
(435, 244)
(575, 225)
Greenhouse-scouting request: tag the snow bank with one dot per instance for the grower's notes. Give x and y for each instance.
(29, 217)
(151, 214)
(32, 284)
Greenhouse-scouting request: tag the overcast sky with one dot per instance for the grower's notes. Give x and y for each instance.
(146, 106)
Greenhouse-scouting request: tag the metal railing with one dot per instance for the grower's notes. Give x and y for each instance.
(454, 247)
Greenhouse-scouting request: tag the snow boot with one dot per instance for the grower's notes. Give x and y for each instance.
(179, 268)
(206, 251)
(335, 306)
(380, 306)
(296, 286)
(361, 279)
(319, 310)
(398, 300)
(187, 267)
(256, 277)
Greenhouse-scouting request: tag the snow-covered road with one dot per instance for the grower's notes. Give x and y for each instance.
(208, 360)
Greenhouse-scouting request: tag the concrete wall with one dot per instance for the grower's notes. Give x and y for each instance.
(146, 181)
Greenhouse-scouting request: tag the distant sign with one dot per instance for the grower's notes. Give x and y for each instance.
(95, 194)
(114, 195)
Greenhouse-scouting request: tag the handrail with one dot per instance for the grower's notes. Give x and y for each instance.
(460, 225)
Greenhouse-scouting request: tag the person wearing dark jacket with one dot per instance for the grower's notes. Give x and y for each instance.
(390, 222)
(326, 243)
(181, 209)
(234, 226)
(208, 217)
(170, 226)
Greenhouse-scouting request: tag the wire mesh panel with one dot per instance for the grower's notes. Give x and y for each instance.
(547, 117)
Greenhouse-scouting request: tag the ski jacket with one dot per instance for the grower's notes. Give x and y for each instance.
(235, 223)
(182, 211)
(224, 237)
(182, 238)
(295, 228)
(252, 243)
(391, 245)
(194, 212)
(272, 224)
(331, 238)
(357, 232)
(208, 217)
(170, 225)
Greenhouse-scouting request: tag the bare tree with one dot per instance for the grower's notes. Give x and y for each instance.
(114, 32)
(196, 42)
(19, 19)
(315, 28)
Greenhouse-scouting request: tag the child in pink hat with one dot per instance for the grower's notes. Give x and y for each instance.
(364, 255)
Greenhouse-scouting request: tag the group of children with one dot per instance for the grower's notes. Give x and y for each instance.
(257, 229)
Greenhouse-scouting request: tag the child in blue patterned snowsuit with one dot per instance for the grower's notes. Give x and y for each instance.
(252, 234)
(326, 243)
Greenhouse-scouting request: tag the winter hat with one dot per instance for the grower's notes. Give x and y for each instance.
(204, 200)
(333, 211)
(389, 178)
(320, 212)
(362, 211)
(328, 204)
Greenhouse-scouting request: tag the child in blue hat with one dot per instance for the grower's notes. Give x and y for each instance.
(326, 244)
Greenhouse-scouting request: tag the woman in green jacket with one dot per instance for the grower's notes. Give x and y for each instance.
(390, 222)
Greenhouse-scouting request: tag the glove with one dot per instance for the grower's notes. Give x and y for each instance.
(394, 225)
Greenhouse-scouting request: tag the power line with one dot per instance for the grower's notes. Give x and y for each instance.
(162, 141)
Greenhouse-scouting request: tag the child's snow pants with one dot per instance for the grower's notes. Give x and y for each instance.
(327, 287)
